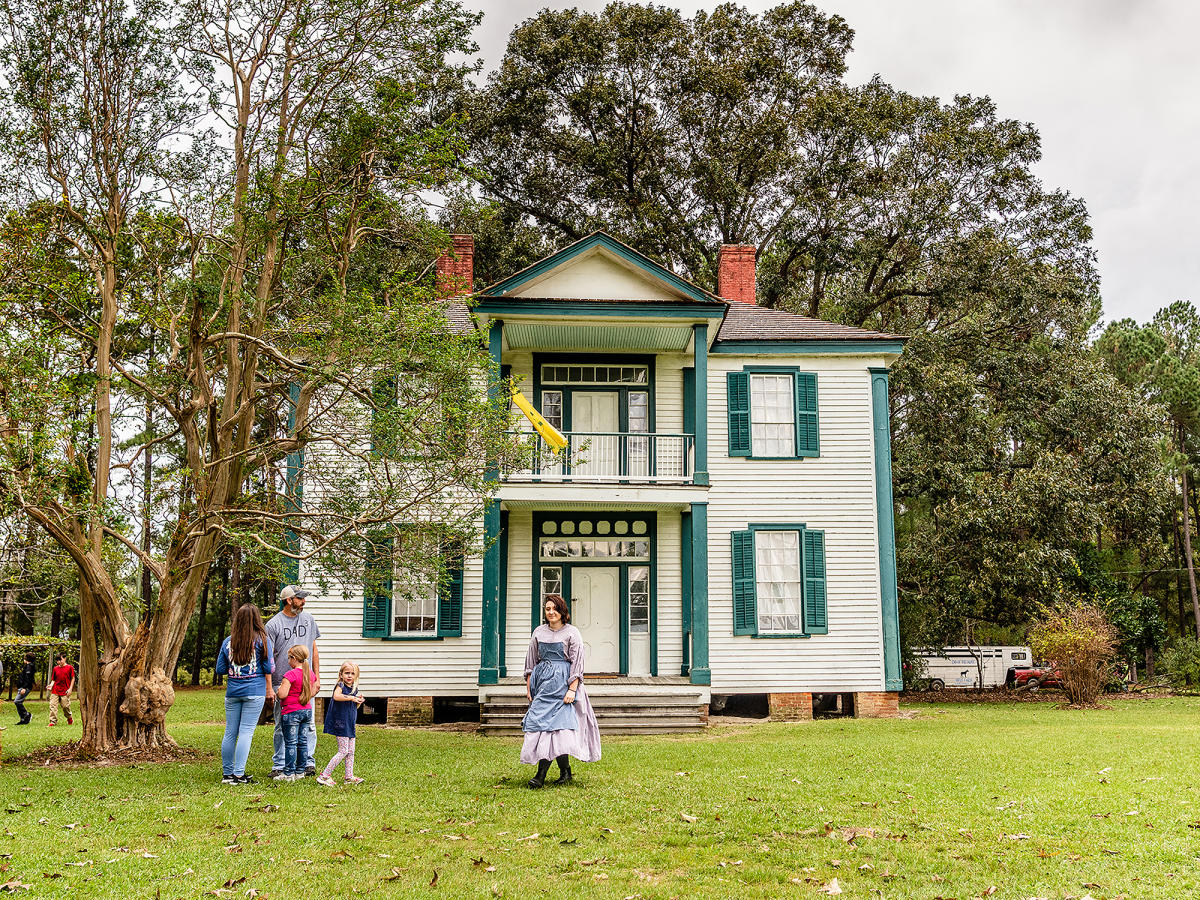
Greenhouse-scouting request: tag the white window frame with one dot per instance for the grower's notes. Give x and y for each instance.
(772, 592)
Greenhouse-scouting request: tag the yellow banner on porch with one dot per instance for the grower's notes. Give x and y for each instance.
(551, 435)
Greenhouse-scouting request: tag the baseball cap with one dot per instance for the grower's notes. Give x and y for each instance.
(292, 590)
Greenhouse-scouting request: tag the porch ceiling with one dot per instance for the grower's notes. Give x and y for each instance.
(605, 336)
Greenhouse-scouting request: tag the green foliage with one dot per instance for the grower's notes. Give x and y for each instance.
(1181, 664)
(13, 648)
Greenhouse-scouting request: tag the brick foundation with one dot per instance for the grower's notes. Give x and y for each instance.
(876, 705)
(410, 710)
(790, 707)
(319, 711)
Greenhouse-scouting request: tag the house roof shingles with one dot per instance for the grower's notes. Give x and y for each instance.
(746, 322)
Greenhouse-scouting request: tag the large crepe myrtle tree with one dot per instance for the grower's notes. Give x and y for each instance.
(213, 210)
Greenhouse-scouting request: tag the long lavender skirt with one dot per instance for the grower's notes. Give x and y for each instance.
(583, 742)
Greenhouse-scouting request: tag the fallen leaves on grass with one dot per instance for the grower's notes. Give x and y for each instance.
(688, 818)
(434, 880)
(832, 888)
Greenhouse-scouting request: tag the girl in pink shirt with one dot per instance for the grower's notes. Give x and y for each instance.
(296, 693)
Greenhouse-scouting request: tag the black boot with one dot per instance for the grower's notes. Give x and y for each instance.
(564, 769)
(540, 778)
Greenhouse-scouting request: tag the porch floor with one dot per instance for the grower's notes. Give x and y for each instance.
(637, 705)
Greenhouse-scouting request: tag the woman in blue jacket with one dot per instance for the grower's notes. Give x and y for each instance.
(246, 662)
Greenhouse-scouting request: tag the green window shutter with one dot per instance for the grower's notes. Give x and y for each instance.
(808, 435)
(745, 609)
(450, 597)
(738, 387)
(383, 393)
(377, 588)
(816, 614)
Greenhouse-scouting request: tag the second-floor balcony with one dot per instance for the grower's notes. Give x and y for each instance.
(611, 457)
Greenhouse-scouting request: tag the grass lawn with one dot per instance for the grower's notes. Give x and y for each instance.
(1022, 800)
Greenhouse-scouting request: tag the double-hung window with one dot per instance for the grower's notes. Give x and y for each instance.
(779, 581)
(773, 413)
(400, 602)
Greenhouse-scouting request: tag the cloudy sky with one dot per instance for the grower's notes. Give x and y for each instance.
(1112, 85)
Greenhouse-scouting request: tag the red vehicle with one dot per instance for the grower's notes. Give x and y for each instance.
(1033, 677)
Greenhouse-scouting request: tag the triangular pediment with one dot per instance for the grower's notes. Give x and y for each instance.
(598, 267)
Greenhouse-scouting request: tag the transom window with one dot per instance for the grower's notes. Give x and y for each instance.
(591, 549)
(772, 415)
(566, 374)
(778, 580)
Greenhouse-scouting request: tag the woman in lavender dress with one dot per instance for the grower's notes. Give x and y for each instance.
(560, 722)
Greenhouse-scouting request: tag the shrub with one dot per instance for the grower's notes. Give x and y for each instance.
(1078, 640)
(13, 648)
(1181, 664)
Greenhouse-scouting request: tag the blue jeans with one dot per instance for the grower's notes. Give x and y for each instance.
(296, 755)
(241, 715)
(278, 743)
(22, 693)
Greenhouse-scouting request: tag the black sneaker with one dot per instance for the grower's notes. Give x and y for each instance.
(275, 773)
(310, 772)
(245, 779)
(229, 779)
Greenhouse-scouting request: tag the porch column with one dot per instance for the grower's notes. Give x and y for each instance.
(881, 420)
(489, 639)
(701, 674)
(700, 354)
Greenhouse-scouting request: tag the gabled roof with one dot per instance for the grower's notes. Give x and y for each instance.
(747, 322)
(676, 288)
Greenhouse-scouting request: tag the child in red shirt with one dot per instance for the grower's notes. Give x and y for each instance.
(63, 677)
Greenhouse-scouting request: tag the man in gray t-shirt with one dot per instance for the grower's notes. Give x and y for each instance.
(288, 628)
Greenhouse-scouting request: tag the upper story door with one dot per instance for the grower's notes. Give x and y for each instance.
(598, 414)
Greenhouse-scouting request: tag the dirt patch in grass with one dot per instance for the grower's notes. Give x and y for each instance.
(984, 695)
(1008, 695)
(68, 756)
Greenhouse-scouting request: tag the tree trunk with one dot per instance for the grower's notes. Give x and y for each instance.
(1187, 550)
(199, 649)
(1178, 572)
(148, 474)
(56, 615)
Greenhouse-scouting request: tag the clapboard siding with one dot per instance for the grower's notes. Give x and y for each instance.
(446, 667)
(834, 492)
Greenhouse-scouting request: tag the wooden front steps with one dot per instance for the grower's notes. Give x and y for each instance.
(622, 705)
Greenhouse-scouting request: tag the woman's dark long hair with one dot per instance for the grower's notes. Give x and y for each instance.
(247, 630)
(560, 604)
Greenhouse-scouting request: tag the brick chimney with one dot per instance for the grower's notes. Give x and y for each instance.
(456, 268)
(735, 272)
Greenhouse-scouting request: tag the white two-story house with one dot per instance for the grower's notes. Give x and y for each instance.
(721, 526)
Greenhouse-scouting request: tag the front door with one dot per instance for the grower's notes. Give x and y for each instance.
(595, 612)
(596, 416)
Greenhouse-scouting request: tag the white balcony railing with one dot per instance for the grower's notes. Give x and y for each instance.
(612, 457)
